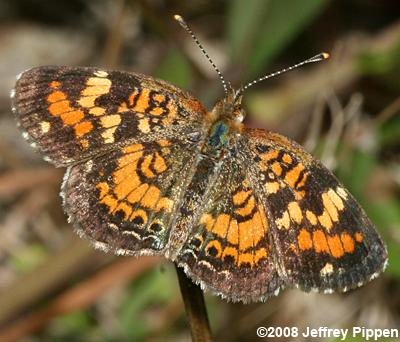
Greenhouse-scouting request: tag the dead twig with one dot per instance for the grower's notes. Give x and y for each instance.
(195, 308)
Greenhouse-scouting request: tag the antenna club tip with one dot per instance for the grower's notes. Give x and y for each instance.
(180, 20)
(325, 55)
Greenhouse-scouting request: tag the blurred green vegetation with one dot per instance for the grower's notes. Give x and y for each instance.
(175, 61)
(259, 30)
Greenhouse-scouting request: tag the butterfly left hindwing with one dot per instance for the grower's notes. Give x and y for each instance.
(125, 200)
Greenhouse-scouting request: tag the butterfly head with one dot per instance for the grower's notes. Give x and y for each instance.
(229, 109)
(227, 116)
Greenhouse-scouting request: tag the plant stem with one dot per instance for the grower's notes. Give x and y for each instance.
(195, 308)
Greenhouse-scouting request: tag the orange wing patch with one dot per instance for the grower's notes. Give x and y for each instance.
(319, 241)
(292, 214)
(271, 187)
(60, 106)
(83, 128)
(95, 87)
(358, 236)
(282, 172)
(221, 225)
(233, 232)
(149, 106)
(129, 190)
(165, 109)
(333, 205)
(336, 245)
(72, 114)
(240, 197)
(241, 238)
(296, 178)
(348, 242)
(304, 240)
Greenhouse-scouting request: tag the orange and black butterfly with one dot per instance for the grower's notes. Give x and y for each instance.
(150, 171)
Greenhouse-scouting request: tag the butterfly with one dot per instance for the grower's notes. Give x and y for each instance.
(151, 171)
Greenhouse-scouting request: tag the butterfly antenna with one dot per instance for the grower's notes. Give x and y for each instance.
(317, 58)
(183, 23)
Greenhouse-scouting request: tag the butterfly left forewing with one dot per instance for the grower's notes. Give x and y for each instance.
(323, 239)
(72, 113)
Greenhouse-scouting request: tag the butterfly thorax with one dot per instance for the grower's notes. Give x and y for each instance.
(227, 116)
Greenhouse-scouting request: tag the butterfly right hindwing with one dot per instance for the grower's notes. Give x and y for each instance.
(324, 239)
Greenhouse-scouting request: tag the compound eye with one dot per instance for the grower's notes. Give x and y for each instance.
(239, 115)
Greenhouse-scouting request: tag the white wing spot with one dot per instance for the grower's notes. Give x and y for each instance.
(327, 269)
(207, 264)
(89, 166)
(100, 73)
(341, 192)
(45, 126)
